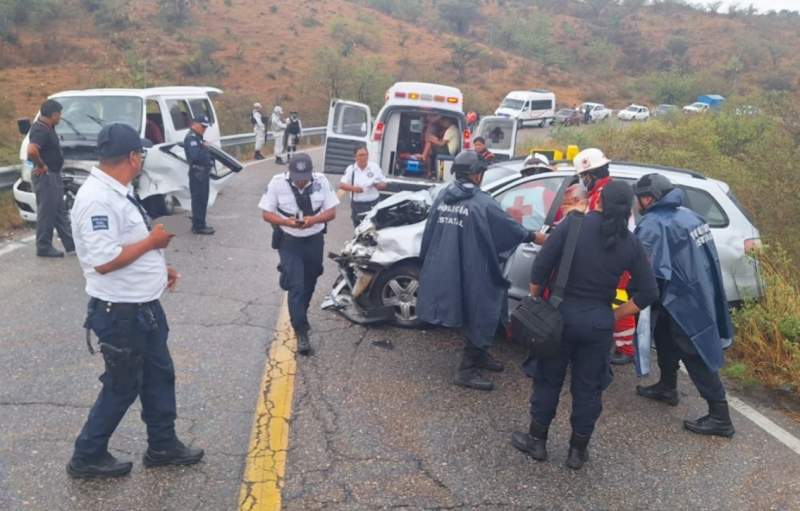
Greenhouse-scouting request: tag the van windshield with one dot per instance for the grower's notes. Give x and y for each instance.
(513, 104)
(84, 116)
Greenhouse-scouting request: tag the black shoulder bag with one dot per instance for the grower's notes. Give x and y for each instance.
(537, 322)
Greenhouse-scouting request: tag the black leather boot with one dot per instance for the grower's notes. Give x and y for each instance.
(716, 423)
(659, 392)
(488, 362)
(468, 374)
(533, 443)
(303, 343)
(104, 466)
(578, 451)
(179, 454)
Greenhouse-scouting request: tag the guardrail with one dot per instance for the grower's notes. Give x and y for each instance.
(9, 175)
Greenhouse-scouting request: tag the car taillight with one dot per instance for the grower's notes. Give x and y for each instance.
(378, 135)
(400, 94)
(752, 245)
(467, 139)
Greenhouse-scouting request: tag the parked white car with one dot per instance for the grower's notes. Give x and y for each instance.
(597, 111)
(696, 108)
(634, 113)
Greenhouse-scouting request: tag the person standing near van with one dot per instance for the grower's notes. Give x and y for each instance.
(294, 129)
(44, 151)
(259, 129)
(278, 125)
(200, 163)
(364, 180)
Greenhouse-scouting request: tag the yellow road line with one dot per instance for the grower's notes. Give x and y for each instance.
(266, 458)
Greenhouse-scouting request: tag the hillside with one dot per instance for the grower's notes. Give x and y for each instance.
(302, 52)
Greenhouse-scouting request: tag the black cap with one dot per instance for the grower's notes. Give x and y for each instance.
(300, 167)
(202, 119)
(119, 139)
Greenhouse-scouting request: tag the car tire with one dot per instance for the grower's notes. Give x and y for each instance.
(398, 287)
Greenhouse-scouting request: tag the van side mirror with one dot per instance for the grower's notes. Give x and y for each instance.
(24, 125)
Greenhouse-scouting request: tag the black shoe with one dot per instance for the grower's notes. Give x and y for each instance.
(105, 466)
(303, 343)
(490, 363)
(473, 379)
(49, 252)
(177, 455)
(203, 230)
(659, 392)
(621, 359)
(279, 160)
(533, 443)
(258, 156)
(578, 451)
(716, 423)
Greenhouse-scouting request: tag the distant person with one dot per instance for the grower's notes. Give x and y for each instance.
(259, 129)
(278, 125)
(472, 121)
(536, 163)
(294, 130)
(484, 154)
(587, 115)
(44, 151)
(200, 164)
(432, 139)
(364, 180)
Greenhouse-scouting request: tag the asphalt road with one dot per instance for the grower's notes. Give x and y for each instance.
(376, 424)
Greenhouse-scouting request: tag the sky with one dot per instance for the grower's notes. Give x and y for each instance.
(761, 5)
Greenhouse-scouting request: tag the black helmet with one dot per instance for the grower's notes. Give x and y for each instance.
(467, 163)
(652, 184)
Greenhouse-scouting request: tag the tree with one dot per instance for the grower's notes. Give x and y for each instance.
(714, 7)
(462, 54)
(330, 70)
(178, 12)
(459, 13)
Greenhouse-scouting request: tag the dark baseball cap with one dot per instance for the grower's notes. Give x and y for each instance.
(119, 139)
(202, 119)
(300, 167)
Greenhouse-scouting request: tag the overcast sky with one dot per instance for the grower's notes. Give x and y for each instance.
(761, 5)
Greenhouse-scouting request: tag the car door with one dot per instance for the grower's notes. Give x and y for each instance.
(533, 202)
(348, 127)
(500, 134)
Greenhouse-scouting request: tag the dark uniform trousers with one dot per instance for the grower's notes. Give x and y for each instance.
(199, 188)
(149, 374)
(300, 267)
(673, 346)
(586, 346)
(51, 212)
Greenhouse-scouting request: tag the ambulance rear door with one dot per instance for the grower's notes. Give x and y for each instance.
(349, 126)
(500, 134)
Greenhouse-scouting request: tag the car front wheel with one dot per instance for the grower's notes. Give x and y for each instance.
(398, 287)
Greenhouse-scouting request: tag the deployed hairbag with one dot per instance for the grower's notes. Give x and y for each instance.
(537, 322)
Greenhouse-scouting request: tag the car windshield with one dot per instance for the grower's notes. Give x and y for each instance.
(632, 108)
(84, 116)
(698, 105)
(513, 104)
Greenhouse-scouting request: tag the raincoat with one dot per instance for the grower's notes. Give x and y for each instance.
(684, 258)
(467, 239)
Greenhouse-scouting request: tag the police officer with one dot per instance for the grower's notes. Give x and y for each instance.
(44, 150)
(259, 129)
(299, 203)
(365, 181)
(605, 249)
(691, 317)
(122, 258)
(278, 126)
(467, 231)
(200, 163)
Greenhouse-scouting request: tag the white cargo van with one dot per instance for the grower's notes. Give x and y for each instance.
(162, 115)
(396, 140)
(532, 106)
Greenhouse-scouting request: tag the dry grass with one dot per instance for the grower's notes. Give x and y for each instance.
(9, 216)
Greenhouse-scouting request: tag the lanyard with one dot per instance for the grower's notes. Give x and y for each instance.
(148, 222)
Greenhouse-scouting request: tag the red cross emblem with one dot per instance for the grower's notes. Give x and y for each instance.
(519, 209)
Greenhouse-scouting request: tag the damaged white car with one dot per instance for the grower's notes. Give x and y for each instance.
(162, 115)
(379, 268)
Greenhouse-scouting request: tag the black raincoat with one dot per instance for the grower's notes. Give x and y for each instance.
(467, 239)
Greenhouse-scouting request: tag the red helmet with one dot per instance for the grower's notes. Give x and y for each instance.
(472, 117)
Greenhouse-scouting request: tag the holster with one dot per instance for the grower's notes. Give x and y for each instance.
(277, 236)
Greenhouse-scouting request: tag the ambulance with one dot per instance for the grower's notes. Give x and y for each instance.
(396, 138)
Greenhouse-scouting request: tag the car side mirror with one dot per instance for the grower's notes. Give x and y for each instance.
(24, 125)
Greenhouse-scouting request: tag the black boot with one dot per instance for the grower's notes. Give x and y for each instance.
(578, 451)
(258, 156)
(717, 422)
(490, 363)
(533, 443)
(104, 466)
(303, 343)
(659, 392)
(469, 374)
(279, 160)
(621, 359)
(179, 454)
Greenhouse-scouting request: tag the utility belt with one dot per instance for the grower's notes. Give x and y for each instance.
(128, 315)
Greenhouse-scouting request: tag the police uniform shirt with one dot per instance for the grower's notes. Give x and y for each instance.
(197, 154)
(103, 221)
(364, 179)
(279, 196)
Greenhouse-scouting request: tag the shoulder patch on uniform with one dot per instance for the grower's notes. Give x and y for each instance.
(100, 223)
(193, 142)
(317, 186)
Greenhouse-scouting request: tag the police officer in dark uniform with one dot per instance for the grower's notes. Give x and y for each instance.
(299, 203)
(200, 163)
(691, 319)
(466, 238)
(122, 258)
(604, 250)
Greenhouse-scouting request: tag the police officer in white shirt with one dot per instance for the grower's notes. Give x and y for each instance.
(298, 204)
(364, 180)
(122, 258)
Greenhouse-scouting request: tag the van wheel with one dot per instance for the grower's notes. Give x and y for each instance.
(398, 288)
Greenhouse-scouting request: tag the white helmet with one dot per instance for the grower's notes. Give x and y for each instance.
(256, 106)
(278, 110)
(589, 159)
(537, 160)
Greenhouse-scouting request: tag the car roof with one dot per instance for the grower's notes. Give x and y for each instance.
(636, 105)
(142, 93)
